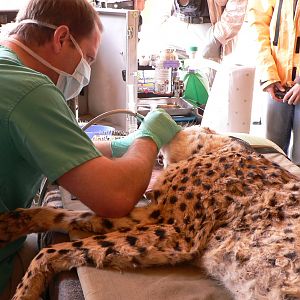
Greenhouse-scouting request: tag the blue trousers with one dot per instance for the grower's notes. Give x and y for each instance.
(283, 120)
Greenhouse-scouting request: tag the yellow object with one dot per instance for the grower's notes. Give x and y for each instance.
(275, 63)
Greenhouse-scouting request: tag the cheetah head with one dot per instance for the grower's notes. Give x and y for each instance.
(186, 143)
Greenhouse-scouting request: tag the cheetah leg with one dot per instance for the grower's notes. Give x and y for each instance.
(21, 221)
(155, 245)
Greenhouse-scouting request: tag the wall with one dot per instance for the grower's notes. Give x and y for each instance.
(153, 39)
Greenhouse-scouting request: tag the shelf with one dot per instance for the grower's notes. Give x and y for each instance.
(154, 95)
(145, 68)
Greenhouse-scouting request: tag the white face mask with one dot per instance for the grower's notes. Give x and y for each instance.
(69, 84)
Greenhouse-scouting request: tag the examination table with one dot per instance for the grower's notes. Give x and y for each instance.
(157, 283)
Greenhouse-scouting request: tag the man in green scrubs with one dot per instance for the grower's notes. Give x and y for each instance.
(45, 61)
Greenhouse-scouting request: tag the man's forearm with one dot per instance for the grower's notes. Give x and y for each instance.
(104, 148)
(112, 187)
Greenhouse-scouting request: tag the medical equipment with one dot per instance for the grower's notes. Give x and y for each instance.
(100, 117)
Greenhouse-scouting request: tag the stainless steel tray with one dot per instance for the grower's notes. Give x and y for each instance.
(173, 106)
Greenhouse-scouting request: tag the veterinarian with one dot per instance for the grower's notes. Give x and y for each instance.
(44, 62)
(210, 25)
(277, 27)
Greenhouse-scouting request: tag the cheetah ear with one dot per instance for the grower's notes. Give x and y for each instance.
(207, 130)
(152, 195)
(149, 195)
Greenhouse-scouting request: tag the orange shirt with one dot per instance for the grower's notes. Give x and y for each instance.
(279, 63)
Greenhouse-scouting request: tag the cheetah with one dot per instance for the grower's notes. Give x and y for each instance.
(218, 204)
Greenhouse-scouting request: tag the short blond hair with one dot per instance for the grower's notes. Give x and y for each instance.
(79, 15)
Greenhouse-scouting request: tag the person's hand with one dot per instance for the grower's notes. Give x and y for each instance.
(157, 125)
(273, 88)
(212, 49)
(292, 97)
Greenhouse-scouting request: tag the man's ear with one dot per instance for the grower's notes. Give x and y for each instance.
(61, 37)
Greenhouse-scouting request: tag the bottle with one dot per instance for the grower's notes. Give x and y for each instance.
(195, 88)
(193, 52)
(166, 62)
(195, 83)
(192, 61)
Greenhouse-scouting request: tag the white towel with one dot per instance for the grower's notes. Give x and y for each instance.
(230, 100)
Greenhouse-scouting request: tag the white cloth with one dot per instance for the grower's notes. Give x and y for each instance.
(230, 100)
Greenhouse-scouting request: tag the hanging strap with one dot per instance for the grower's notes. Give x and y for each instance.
(275, 41)
(295, 5)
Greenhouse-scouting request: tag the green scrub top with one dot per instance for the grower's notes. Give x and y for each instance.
(39, 136)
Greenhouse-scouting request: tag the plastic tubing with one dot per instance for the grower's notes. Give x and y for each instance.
(112, 112)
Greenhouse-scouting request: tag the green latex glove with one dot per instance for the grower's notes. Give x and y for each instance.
(157, 125)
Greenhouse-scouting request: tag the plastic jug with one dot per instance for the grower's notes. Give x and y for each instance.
(196, 88)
